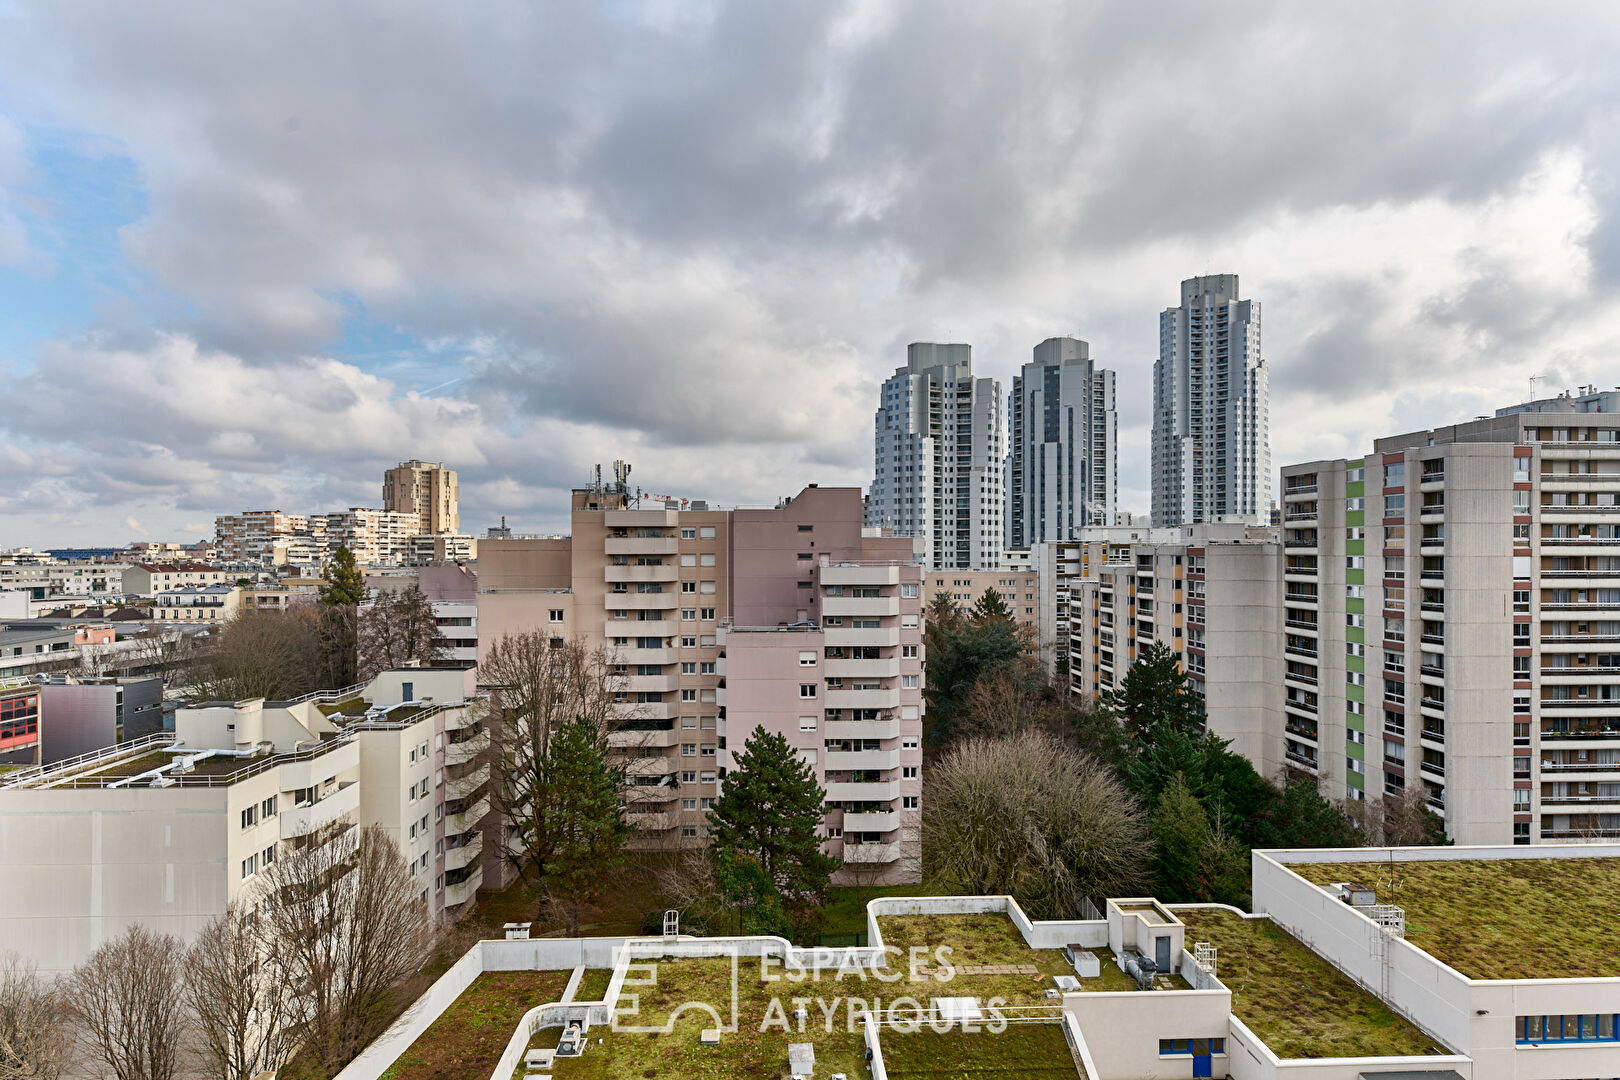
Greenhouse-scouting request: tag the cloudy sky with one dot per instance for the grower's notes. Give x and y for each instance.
(252, 254)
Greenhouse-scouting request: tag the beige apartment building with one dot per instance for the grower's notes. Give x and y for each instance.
(148, 579)
(1211, 594)
(167, 830)
(197, 603)
(376, 537)
(676, 597)
(428, 492)
(248, 537)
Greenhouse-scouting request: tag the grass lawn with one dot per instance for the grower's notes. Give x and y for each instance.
(747, 1052)
(1022, 1052)
(1499, 918)
(593, 984)
(845, 909)
(1294, 1000)
(467, 1039)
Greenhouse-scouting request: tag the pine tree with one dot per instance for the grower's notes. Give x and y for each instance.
(588, 827)
(990, 606)
(342, 582)
(1180, 834)
(771, 812)
(1154, 692)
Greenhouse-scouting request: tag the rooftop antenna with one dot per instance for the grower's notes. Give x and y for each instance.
(1533, 380)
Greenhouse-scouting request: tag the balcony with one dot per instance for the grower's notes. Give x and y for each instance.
(880, 636)
(648, 737)
(881, 668)
(860, 575)
(634, 628)
(874, 791)
(837, 760)
(460, 787)
(343, 802)
(468, 819)
(860, 607)
(868, 854)
(462, 855)
(886, 821)
(639, 545)
(666, 572)
(320, 767)
(657, 765)
(1300, 759)
(459, 753)
(647, 684)
(862, 699)
(653, 820)
(634, 601)
(460, 892)
(631, 657)
(861, 729)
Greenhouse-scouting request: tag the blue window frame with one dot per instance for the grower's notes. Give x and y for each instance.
(1198, 1047)
(1570, 1027)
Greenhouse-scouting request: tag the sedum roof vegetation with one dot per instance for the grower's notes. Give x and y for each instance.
(1529, 918)
(468, 1038)
(1292, 999)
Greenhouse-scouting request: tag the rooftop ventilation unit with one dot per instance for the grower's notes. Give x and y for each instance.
(1355, 895)
(1141, 969)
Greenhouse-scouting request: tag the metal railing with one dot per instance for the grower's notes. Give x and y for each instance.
(35, 772)
(259, 765)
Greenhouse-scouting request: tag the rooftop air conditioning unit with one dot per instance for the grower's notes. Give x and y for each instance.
(1356, 895)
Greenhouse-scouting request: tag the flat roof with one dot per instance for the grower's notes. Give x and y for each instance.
(1501, 918)
(1293, 999)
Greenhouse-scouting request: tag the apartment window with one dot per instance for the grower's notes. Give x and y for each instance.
(708, 751)
(706, 614)
(689, 614)
(805, 556)
(807, 690)
(908, 652)
(1521, 601)
(807, 659)
(688, 804)
(688, 560)
(1394, 751)
(708, 776)
(688, 695)
(1394, 505)
(706, 667)
(706, 532)
(688, 586)
(1581, 1027)
(1521, 501)
(706, 640)
(689, 722)
(706, 560)
(689, 667)
(908, 682)
(1521, 667)
(250, 866)
(267, 808)
(908, 622)
(268, 857)
(910, 742)
(689, 831)
(555, 614)
(908, 590)
(910, 802)
(688, 532)
(706, 587)
(688, 749)
(688, 642)
(1521, 635)
(250, 817)
(1395, 474)
(908, 772)
(688, 776)
(807, 723)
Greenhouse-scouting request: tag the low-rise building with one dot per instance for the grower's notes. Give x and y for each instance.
(149, 579)
(197, 604)
(168, 829)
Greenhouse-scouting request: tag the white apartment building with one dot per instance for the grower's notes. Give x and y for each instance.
(168, 829)
(1453, 610)
(1062, 457)
(939, 458)
(1211, 433)
(148, 579)
(376, 537)
(246, 539)
(194, 603)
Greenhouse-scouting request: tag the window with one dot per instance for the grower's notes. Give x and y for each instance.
(908, 772)
(1394, 505)
(688, 749)
(805, 556)
(807, 690)
(555, 614)
(688, 642)
(250, 818)
(688, 804)
(1579, 1027)
(910, 742)
(688, 532)
(706, 587)
(689, 614)
(908, 652)
(706, 614)
(908, 622)
(706, 532)
(688, 586)
(807, 723)
(688, 560)
(688, 776)
(705, 560)
(706, 667)
(268, 858)
(807, 659)
(1197, 1047)
(268, 807)
(688, 667)
(908, 682)
(908, 590)
(1395, 474)
(688, 695)
(910, 802)
(250, 866)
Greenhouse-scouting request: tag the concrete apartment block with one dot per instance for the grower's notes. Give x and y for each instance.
(669, 593)
(168, 829)
(428, 492)
(1062, 456)
(1470, 570)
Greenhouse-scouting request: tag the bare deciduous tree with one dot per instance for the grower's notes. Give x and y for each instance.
(1403, 820)
(540, 684)
(396, 627)
(128, 997)
(1031, 817)
(35, 1043)
(268, 654)
(241, 997)
(346, 919)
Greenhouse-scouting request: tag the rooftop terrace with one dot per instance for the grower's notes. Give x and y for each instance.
(1525, 918)
(1292, 999)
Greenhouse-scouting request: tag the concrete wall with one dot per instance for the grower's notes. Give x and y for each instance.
(1123, 1032)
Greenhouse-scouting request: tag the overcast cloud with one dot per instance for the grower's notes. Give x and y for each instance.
(259, 252)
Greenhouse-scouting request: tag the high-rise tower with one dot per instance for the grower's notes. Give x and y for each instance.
(1211, 424)
(1062, 457)
(427, 490)
(937, 472)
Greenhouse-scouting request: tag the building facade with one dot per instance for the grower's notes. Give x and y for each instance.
(193, 603)
(1211, 420)
(246, 539)
(169, 829)
(676, 597)
(427, 491)
(1461, 588)
(1062, 458)
(148, 579)
(939, 458)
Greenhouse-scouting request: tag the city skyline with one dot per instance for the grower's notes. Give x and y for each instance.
(231, 284)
